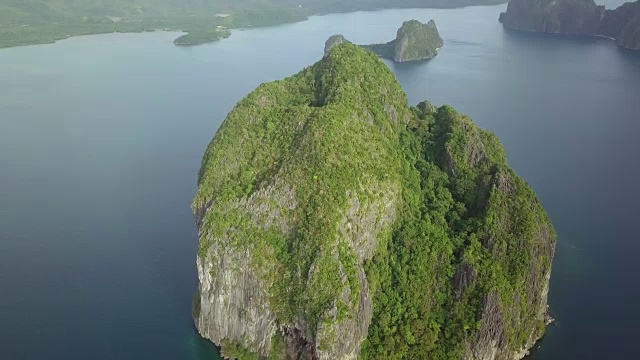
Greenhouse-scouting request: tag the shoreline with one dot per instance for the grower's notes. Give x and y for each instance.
(48, 38)
(558, 34)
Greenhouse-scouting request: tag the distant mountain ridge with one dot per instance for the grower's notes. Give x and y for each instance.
(26, 22)
(414, 41)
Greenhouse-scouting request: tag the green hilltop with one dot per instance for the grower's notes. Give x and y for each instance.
(337, 221)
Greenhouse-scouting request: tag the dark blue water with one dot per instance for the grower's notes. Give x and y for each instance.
(101, 138)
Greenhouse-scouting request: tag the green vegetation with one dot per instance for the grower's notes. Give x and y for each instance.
(472, 239)
(24, 22)
(284, 136)
(231, 350)
(329, 174)
(195, 37)
(278, 347)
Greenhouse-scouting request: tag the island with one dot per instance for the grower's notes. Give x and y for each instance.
(47, 21)
(335, 221)
(414, 41)
(202, 37)
(576, 17)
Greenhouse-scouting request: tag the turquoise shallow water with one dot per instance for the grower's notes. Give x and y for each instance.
(101, 138)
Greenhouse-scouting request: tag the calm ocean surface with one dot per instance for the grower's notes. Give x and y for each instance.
(101, 138)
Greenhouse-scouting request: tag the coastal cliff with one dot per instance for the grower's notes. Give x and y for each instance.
(414, 41)
(623, 24)
(576, 17)
(337, 222)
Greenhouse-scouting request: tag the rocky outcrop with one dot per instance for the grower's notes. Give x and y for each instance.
(326, 203)
(333, 41)
(414, 41)
(417, 41)
(287, 221)
(576, 17)
(232, 302)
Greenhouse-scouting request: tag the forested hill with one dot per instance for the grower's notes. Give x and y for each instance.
(327, 6)
(337, 222)
(46, 11)
(24, 22)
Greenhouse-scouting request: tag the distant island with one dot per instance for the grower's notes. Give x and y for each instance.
(202, 37)
(414, 41)
(337, 222)
(47, 21)
(576, 17)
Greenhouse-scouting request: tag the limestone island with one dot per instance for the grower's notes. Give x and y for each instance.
(576, 17)
(414, 41)
(338, 222)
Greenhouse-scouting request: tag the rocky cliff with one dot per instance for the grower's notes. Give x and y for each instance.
(623, 24)
(337, 222)
(414, 41)
(577, 17)
(333, 41)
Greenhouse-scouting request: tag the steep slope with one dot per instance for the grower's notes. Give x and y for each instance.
(577, 17)
(337, 222)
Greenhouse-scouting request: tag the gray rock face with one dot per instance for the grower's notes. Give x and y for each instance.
(232, 303)
(577, 17)
(311, 225)
(414, 41)
(333, 41)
